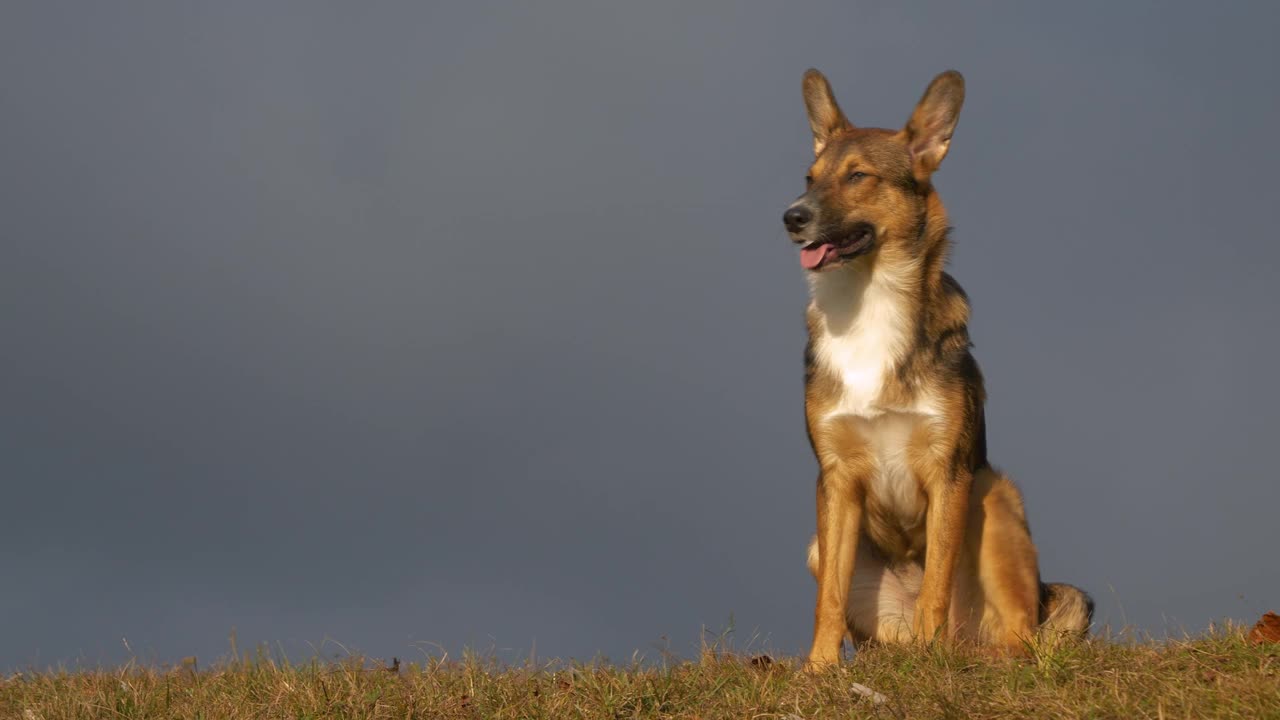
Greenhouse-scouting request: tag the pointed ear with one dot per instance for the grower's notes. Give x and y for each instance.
(929, 130)
(825, 118)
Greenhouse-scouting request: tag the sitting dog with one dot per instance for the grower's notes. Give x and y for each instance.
(919, 538)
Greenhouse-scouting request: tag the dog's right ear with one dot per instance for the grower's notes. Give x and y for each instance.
(825, 117)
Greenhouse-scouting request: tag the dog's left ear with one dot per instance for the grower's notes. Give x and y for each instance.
(929, 130)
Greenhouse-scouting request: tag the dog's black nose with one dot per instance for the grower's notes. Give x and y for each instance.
(795, 218)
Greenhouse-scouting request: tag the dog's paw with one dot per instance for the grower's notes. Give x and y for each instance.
(821, 662)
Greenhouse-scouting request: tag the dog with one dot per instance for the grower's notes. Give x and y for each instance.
(919, 538)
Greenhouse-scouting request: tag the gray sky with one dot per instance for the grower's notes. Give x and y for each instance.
(406, 323)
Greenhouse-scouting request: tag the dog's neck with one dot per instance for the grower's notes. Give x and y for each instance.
(874, 291)
(892, 284)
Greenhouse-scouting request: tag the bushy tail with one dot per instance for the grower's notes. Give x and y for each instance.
(1065, 610)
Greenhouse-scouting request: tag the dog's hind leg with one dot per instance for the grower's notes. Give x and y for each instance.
(1007, 571)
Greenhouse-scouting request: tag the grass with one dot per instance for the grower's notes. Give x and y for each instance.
(1218, 675)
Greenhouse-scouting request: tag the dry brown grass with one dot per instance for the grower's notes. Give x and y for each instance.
(1219, 675)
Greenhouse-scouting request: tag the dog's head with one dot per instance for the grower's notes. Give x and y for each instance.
(867, 188)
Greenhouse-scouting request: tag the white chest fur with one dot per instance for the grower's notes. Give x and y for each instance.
(862, 334)
(861, 337)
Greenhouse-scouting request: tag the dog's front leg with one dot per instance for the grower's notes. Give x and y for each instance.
(947, 491)
(840, 503)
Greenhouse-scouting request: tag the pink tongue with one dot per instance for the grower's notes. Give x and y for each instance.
(813, 256)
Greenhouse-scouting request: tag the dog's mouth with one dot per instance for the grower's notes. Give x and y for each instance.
(858, 241)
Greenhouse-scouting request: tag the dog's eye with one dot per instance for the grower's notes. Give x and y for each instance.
(808, 180)
(855, 175)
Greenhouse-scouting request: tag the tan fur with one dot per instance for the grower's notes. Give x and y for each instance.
(883, 593)
(918, 537)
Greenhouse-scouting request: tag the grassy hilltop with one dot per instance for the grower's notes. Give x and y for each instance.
(1219, 675)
